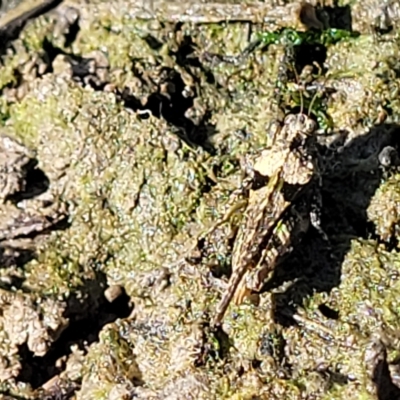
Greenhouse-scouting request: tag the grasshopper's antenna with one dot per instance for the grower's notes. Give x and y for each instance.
(300, 92)
(317, 92)
(312, 102)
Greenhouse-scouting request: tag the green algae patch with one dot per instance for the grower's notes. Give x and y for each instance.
(120, 39)
(384, 209)
(119, 178)
(26, 51)
(366, 302)
(356, 66)
(326, 37)
(109, 368)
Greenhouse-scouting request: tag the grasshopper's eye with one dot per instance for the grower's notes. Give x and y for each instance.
(301, 120)
(306, 124)
(311, 126)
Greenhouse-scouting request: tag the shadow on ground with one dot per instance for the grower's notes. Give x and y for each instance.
(315, 265)
(88, 312)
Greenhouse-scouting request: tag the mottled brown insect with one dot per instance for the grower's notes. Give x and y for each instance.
(277, 212)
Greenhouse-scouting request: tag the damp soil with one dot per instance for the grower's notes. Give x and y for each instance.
(125, 131)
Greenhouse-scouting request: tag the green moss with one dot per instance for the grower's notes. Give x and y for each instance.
(7, 76)
(296, 38)
(109, 367)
